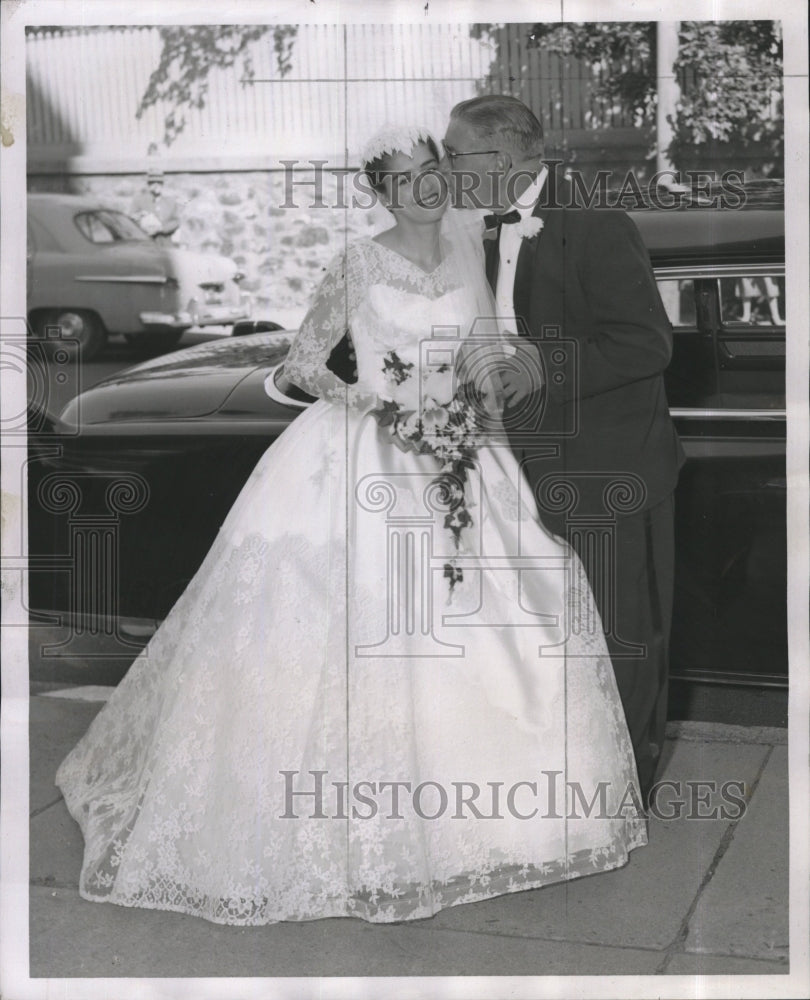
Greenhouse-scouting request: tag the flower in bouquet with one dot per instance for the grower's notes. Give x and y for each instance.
(447, 428)
(395, 370)
(435, 417)
(409, 427)
(439, 384)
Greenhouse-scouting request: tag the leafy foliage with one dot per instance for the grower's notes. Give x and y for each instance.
(624, 51)
(731, 86)
(729, 74)
(621, 56)
(188, 55)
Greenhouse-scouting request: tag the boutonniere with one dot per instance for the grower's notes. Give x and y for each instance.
(529, 229)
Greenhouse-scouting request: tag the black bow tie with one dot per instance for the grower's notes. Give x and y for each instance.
(504, 219)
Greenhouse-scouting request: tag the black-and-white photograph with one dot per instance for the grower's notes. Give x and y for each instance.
(404, 499)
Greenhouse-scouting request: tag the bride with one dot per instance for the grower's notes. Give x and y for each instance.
(386, 690)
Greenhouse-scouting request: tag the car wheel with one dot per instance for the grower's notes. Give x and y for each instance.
(78, 325)
(155, 341)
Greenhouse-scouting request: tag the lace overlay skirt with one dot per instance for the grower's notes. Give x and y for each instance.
(317, 731)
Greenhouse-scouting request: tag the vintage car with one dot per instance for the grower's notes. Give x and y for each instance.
(184, 431)
(92, 271)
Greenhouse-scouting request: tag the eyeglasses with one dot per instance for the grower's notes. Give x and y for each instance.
(452, 155)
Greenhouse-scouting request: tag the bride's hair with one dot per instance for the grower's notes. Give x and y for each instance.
(377, 168)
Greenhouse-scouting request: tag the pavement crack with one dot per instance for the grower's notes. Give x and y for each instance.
(676, 946)
(550, 938)
(42, 809)
(49, 882)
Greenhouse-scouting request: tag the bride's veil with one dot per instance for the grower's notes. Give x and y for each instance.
(486, 347)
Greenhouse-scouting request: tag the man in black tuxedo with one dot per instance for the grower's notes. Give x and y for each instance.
(587, 414)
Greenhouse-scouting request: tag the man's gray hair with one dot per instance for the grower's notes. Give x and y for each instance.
(504, 119)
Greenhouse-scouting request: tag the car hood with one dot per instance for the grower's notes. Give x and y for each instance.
(182, 385)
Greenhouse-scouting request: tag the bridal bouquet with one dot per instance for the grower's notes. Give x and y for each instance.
(447, 426)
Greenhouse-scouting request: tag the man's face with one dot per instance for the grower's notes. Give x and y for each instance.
(155, 186)
(473, 177)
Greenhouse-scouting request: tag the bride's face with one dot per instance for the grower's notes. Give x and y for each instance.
(414, 186)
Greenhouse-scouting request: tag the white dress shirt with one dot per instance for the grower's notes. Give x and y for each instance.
(509, 248)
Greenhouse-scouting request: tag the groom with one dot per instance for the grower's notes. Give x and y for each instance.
(604, 435)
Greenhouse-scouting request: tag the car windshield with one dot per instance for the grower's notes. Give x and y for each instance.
(107, 226)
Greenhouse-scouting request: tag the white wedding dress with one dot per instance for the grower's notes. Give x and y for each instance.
(317, 651)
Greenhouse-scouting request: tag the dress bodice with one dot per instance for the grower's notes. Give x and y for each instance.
(421, 330)
(387, 303)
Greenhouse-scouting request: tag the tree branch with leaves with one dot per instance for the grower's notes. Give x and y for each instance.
(188, 54)
(729, 73)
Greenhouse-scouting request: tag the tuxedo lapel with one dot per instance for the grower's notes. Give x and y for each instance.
(492, 260)
(524, 273)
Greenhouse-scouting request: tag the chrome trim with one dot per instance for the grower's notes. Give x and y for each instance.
(129, 279)
(176, 320)
(277, 395)
(742, 447)
(693, 413)
(692, 675)
(703, 271)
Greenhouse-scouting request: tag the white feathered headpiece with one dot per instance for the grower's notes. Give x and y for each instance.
(394, 139)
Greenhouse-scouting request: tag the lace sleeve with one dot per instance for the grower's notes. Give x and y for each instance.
(323, 326)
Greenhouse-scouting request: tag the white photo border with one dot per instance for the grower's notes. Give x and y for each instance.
(16, 14)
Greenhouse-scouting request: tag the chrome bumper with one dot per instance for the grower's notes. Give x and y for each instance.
(200, 314)
(174, 321)
(217, 314)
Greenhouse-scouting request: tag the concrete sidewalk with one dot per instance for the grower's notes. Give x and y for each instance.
(705, 897)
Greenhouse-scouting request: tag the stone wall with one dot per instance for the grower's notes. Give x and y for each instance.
(282, 251)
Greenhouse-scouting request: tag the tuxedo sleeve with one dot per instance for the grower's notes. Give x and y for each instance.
(629, 336)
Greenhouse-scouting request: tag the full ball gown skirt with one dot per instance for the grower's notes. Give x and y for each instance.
(320, 729)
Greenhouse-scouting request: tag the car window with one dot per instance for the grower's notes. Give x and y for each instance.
(752, 301)
(106, 226)
(678, 296)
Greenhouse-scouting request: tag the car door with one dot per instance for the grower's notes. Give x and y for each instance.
(726, 390)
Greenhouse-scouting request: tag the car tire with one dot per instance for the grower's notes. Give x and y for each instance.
(154, 341)
(77, 325)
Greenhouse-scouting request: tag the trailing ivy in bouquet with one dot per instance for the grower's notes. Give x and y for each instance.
(447, 425)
